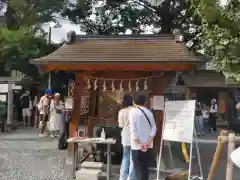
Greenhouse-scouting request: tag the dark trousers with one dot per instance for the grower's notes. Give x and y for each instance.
(212, 122)
(140, 164)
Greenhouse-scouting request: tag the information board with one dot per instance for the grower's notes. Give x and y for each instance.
(179, 121)
(158, 103)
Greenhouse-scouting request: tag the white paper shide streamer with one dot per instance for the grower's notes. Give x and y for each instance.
(130, 86)
(104, 86)
(145, 84)
(89, 83)
(95, 84)
(113, 86)
(121, 86)
(137, 85)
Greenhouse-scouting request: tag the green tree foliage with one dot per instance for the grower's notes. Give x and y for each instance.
(18, 46)
(31, 13)
(220, 34)
(116, 17)
(22, 38)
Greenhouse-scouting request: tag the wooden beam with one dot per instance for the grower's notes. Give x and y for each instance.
(127, 66)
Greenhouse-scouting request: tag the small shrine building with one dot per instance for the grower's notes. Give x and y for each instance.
(122, 63)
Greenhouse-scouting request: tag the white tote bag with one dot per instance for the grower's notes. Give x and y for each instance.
(235, 157)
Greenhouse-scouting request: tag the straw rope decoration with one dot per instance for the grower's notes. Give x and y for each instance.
(87, 92)
(113, 84)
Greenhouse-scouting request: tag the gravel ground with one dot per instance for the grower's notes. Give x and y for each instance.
(24, 156)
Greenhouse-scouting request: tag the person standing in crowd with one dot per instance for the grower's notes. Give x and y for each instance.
(43, 107)
(142, 132)
(26, 104)
(36, 112)
(199, 120)
(213, 116)
(55, 123)
(126, 171)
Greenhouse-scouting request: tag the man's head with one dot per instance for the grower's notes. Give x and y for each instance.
(48, 92)
(139, 100)
(127, 101)
(27, 92)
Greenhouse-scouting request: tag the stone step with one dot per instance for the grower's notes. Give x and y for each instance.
(92, 165)
(87, 174)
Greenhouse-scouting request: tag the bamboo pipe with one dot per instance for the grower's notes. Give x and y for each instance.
(231, 147)
(217, 155)
(185, 153)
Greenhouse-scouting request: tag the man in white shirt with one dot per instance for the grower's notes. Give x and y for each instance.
(43, 107)
(213, 116)
(26, 108)
(142, 132)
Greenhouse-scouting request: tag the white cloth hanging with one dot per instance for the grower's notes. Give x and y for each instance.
(55, 123)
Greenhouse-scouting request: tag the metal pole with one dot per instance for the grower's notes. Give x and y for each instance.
(10, 104)
(190, 161)
(198, 154)
(161, 148)
(49, 80)
(49, 42)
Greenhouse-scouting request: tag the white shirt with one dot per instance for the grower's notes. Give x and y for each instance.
(123, 122)
(140, 127)
(213, 110)
(45, 102)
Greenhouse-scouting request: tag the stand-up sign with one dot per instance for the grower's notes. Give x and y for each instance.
(178, 126)
(179, 121)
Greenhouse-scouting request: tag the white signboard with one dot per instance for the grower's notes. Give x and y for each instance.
(158, 103)
(3, 88)
(3, 97)
(179, 121)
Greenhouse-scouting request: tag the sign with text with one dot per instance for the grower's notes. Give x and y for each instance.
(179, 121)
(158, 103)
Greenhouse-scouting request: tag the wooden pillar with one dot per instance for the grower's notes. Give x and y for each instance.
(79, 90)
(92, 106)
(158, 85)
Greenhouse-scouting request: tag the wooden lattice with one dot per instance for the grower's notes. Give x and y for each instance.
(85, 100)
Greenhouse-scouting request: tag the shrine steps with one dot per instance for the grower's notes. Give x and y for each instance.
(92, 165)
(88, 174)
